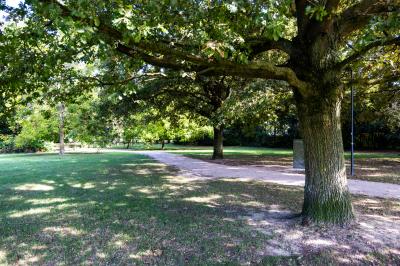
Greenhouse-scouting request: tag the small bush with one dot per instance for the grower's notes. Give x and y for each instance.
(7, 144)
(29, 143)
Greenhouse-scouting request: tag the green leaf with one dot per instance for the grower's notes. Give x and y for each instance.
(96, 21)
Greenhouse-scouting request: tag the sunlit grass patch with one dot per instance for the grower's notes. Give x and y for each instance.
(33, 211)
(34, 187)
(62, 231)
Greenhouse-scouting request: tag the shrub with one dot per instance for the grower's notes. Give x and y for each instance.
(7, 143)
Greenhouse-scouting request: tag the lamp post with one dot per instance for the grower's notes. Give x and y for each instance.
(352, 124)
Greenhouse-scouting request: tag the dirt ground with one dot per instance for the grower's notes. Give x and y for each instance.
(373, 239)
(385, 170)
(375, 232)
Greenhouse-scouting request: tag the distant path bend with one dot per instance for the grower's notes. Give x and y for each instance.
(209, 170)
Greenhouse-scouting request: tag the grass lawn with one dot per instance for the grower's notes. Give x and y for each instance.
(371, 166)
(119, 209)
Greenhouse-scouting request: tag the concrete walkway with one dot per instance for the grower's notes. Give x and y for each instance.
(212, 170)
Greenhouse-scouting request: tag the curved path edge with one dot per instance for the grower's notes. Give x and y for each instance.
(207, 170)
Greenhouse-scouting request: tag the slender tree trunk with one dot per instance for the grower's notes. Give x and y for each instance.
(61, 109)
(218, 152)
(162, 144)
(326, 194)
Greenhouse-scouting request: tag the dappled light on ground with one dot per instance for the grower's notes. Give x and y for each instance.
(62, 231)
(34, 187)
(87, 185)
(208, 200)
(126, 209)
(33, 211)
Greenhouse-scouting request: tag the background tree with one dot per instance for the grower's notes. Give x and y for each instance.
(173, 93)
(201, 96)
(261, 113)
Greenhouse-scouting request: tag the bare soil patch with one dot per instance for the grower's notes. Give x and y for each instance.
(375, 235)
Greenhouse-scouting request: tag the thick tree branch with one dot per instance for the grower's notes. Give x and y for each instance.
(160, 61)
(227, 68)
(358, 54)
(259, 45)
(359, 15)
(176, 59)
(257, 70)
(224, 67)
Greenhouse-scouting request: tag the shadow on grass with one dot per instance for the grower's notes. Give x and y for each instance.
(128, 209)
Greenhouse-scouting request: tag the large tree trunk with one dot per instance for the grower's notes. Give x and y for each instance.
(218, 152)
(61, 109)
(326, 194)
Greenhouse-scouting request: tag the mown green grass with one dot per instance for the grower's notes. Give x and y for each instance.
(113, 209)
(124, 209)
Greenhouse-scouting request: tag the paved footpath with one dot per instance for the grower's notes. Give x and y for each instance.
(213, 170)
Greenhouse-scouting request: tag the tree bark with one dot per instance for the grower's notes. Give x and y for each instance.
(326, 194)
(162, 144)
(218, 152)
(61, 109)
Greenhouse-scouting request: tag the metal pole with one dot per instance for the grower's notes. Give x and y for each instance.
(352, 124)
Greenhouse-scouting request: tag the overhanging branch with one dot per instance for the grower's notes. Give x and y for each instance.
(358, 54)
(160, 61)
(359, 15)
(162, 55)
(259, 45)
